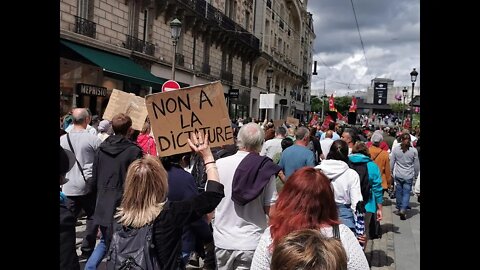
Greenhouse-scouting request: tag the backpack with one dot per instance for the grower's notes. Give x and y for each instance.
(132, 249)
(365, 186)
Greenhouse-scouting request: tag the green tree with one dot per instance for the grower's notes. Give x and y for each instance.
(316, 104)
(342, 104)
(398, 107)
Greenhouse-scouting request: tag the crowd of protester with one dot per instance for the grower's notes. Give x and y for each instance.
(260, 203)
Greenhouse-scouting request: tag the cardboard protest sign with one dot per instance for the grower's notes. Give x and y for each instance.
(278, 123)
(174, 115)
(293, 121)
(129, 104)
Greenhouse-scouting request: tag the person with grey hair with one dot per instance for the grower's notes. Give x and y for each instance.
(377, 140)
(79, 187)
(350, 137)
(87, 115)
(274, 146)
(297, 155)
(250, 191)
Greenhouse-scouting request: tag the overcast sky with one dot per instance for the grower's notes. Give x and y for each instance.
(390, 30)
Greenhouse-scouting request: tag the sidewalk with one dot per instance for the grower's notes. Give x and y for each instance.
(399, 247)
(407, 237)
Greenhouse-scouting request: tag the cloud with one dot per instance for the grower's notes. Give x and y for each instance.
(390, 32)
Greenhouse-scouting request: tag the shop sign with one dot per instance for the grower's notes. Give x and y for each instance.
(91, 90)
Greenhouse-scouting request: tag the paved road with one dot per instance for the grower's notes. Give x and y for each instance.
(398, 249)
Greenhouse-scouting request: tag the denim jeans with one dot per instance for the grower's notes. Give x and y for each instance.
(345, 214)
(98, 253)
(402, 192)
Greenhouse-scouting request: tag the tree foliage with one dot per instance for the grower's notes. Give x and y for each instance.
(316, 104)
(342, 104)
(398, 107)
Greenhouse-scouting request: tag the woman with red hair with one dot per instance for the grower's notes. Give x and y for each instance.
(307, 202)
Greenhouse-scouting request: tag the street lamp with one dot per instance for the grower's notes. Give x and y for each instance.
(269, 79)
(413, 77)
(404, 92)
(176, 27)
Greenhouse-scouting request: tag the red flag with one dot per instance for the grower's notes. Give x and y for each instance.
(327, 121)
(314, 120)
(341, 117)
(353, 105)
(331, 104)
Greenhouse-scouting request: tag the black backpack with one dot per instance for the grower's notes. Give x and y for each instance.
(365, 186)
(132, 249)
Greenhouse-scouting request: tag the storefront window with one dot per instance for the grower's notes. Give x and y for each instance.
(73, 73)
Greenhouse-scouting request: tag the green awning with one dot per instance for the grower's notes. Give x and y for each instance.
(115, 64)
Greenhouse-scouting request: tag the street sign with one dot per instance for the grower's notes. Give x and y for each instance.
(170, 85)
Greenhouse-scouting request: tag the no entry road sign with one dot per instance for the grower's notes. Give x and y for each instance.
(170, 85)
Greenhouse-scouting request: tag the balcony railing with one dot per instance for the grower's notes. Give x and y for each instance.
(227, 76)
(139, 45)
(216, 16)
(85, 27)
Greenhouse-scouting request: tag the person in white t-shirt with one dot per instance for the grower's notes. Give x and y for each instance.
(274, 146)
(239, 222)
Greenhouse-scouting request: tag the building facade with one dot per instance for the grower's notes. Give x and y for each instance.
(286, 34)
(127, 45)
(383, 88)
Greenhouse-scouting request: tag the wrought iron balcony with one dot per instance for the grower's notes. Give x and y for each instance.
(139, 45)
(85, 27)
(227, 76)
(216, 17)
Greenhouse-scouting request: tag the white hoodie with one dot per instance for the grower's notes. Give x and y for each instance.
(345, 181)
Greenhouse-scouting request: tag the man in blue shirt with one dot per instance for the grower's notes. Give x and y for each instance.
(297, 155)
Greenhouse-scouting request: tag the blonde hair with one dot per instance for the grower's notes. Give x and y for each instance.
(309, 250)
(145, 192)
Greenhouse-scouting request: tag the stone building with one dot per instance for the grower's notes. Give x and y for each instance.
(127, 45)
